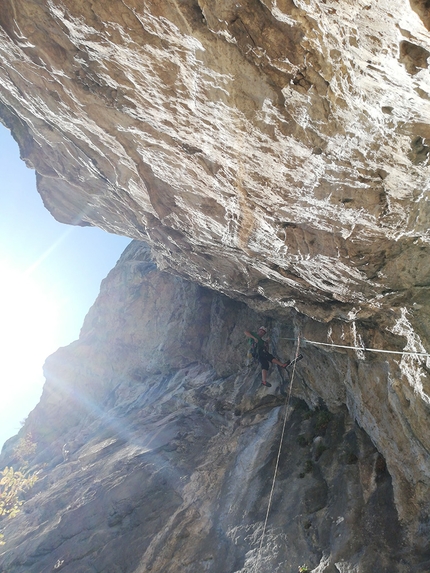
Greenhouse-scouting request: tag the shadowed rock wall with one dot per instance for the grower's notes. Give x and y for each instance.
(170, 443)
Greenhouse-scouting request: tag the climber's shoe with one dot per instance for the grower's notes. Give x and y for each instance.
(266, 384)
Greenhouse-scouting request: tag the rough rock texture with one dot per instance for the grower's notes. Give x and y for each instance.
(277, 148)
(171, 444)
(276, 151)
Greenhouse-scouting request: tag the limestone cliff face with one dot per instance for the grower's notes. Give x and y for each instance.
(170, 445)
(275, 151)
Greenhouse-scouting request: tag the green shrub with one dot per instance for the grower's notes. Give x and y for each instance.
(308, 466)
(351, 458)
(322, 420)
(302, 441)
(12, 485)
(25, 450)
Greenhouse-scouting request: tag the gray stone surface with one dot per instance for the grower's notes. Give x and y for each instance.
(276, 152)
(173, 443)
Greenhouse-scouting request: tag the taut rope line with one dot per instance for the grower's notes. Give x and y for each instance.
(362, 348)
(287, 402)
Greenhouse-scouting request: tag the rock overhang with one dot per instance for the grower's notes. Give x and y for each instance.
(266, 148)
(274, 151)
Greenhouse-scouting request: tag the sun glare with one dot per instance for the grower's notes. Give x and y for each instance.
(28, 322)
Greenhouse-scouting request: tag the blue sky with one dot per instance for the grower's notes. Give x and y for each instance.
(50, 275)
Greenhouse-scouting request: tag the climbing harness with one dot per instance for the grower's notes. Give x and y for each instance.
(361, 348)
(287, 402)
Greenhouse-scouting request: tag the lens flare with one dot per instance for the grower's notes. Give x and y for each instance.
(28, 322)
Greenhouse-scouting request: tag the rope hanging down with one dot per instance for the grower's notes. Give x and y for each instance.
(362, 348)
(287, 402)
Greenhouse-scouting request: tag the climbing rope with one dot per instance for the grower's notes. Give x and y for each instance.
(361, 348)
(287, 402)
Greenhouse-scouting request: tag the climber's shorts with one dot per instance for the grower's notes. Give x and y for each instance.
(265, 359)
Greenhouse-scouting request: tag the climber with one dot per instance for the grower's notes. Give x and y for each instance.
(260, 350)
